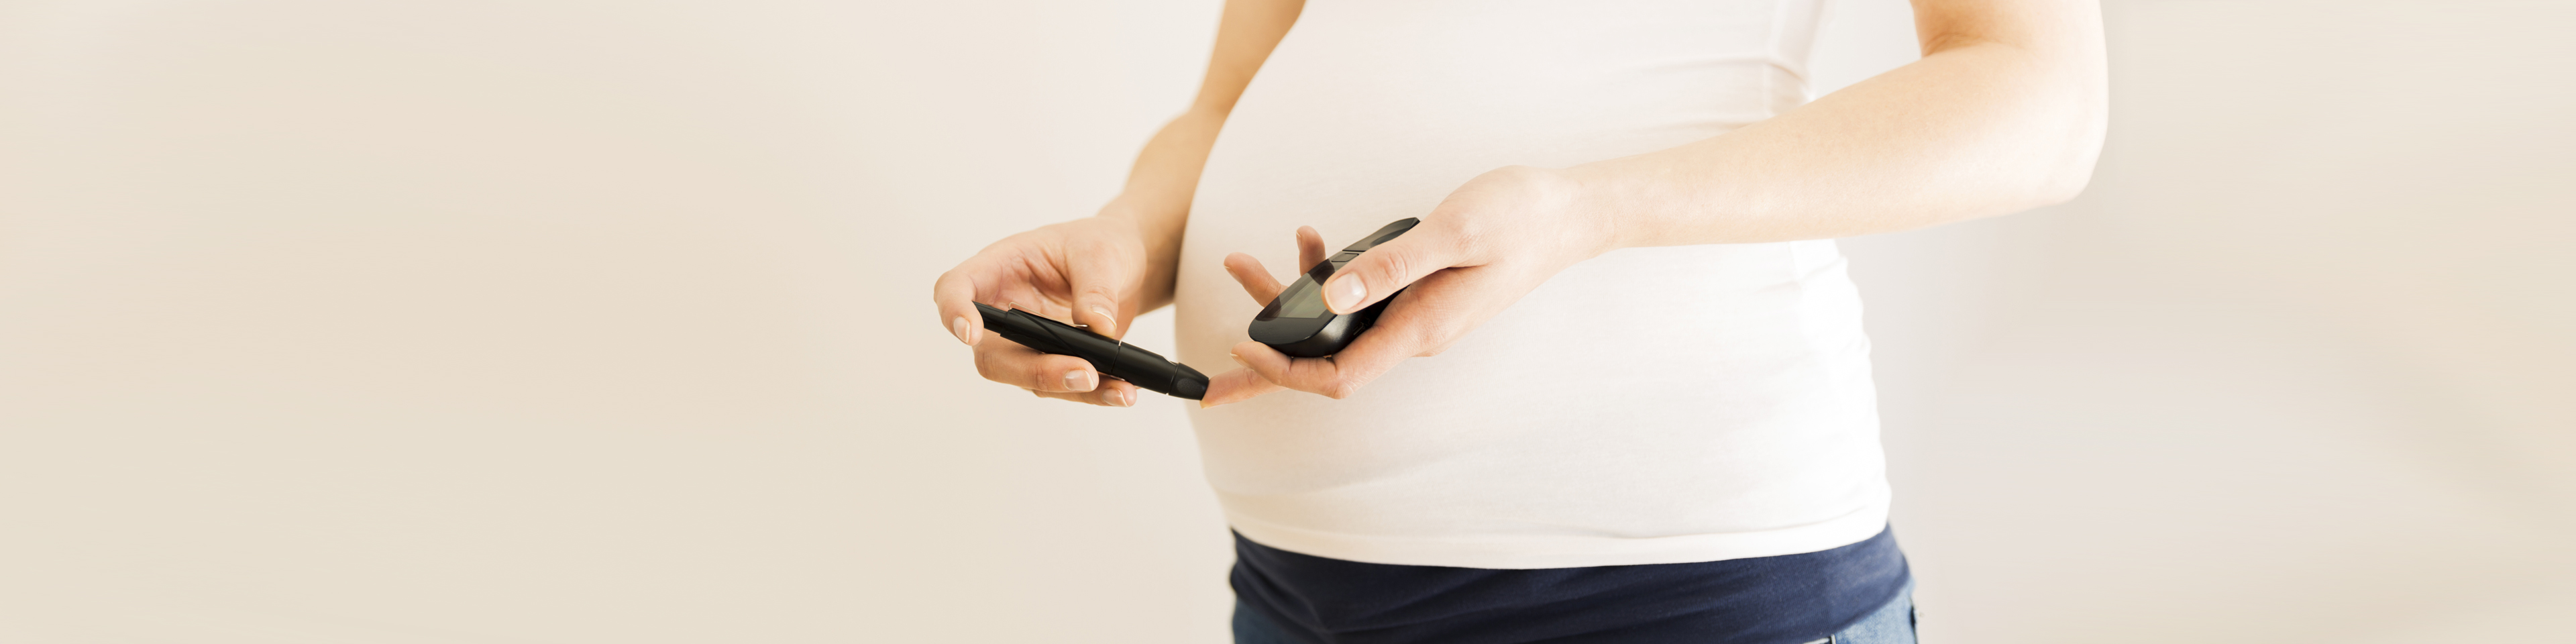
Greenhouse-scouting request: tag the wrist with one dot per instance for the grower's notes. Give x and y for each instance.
(1159, 249)
(1122, 209)
(1574, 195)
(1123, 213)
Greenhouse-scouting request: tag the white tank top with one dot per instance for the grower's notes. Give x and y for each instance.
(1651, 405)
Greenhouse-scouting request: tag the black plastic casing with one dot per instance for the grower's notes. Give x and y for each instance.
(1327, 333)
(1115, 359)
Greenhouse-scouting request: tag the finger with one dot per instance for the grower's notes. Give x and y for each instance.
(1333, 377)
(1409, 328)
(1236, 386)
(1310, 248)
(1099, 277)
(1114, 393)
(1255, 279)
(1375, 274)
(1310, 375)
(1003, 361)
(1337, 377)
(954, 295)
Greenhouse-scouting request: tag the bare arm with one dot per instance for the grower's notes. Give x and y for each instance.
(1166, 174)
(1101, 271)
(2005, 111)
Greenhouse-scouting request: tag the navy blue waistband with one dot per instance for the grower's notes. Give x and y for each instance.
(1787, 599)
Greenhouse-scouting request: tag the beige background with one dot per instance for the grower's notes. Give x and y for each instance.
(589, 321)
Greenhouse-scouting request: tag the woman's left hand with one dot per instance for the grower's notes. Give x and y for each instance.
(1489, 243)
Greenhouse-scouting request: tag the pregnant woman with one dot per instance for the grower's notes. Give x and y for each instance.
(1624, 395)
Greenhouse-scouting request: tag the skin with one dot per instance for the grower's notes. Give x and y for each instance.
(2004, 112)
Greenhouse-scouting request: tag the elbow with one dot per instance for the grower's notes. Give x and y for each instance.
(2066, 120)
(2057, 173)
(2061, 176)
(2062, 184)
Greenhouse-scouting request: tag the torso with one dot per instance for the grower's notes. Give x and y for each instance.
(1658, 405)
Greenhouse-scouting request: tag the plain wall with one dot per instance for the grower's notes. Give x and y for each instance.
(588, 321)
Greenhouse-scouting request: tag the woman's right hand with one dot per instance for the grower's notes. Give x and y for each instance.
(1091, 272)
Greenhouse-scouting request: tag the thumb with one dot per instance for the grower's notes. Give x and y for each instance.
(1100, 282)
(1391, 265)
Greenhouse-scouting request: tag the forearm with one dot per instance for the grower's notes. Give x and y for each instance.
(1166, 175)
(1972, 130)
(1157, 197)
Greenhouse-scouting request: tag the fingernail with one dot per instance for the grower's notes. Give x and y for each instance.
(958, 326)
(1110, 320)
(1122, 398)
(1346, 293)
(1238, 359)
(1077, 380)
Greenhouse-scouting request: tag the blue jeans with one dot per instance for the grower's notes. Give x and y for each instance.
(1890, 624)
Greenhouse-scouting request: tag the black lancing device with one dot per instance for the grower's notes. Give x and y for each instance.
(1298, 323)
(1115, 359)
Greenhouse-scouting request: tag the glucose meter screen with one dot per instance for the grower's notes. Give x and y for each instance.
(1301, 300)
